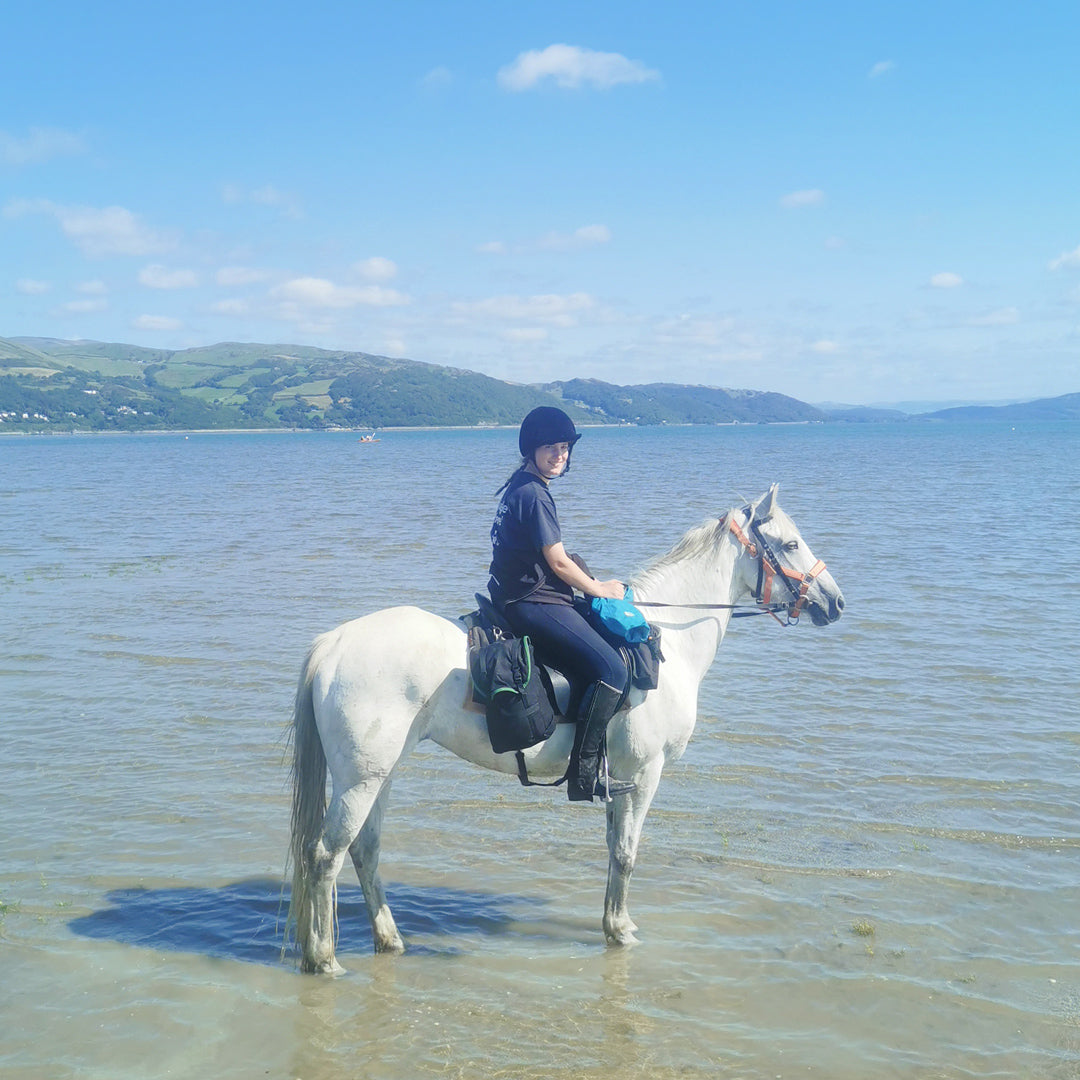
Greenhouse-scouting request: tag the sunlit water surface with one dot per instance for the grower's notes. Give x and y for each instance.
(866, 864)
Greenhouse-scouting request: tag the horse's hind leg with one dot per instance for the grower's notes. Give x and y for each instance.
(365, 856)
(343, 822)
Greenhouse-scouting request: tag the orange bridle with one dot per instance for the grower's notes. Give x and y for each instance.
(770, 567)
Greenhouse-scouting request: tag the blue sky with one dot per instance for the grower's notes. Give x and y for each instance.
(841, 202)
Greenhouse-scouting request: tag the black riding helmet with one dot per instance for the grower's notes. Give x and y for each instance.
(545, 426)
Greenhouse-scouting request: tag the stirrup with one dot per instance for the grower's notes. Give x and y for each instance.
(608, 788)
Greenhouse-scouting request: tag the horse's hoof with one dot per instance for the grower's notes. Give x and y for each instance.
(394, 947)
(623, 937)
(324, 967)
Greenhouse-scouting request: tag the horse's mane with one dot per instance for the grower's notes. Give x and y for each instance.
(698, 541)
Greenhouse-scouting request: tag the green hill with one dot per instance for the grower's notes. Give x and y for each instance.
(52, 385)
(668, 403)
(1065, 407)
(86, 385)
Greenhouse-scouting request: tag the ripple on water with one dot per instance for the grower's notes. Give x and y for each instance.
(863, 866)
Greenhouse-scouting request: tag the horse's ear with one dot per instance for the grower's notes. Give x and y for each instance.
(764, 507)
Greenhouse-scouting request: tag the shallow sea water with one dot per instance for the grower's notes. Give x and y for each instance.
(866, 864)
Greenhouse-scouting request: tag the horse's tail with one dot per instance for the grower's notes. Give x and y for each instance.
(308, 802)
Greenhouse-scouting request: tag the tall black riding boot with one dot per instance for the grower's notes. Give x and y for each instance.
(583, 777)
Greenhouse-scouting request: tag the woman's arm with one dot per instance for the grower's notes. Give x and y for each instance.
(576, 578)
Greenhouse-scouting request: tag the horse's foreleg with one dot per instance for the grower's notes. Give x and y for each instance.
(365, 857)
(316, 930)
(625, 820)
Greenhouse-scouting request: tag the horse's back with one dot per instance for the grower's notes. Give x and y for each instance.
(392, 660)
(392, 624)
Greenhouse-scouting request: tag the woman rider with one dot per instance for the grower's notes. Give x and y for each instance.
(532, 582)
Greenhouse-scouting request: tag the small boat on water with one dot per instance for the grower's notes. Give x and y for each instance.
(368, 438)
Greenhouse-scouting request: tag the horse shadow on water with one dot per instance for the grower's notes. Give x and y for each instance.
(246, 920)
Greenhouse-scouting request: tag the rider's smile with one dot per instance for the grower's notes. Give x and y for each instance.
(549, 461)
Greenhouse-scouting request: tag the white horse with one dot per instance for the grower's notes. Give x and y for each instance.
(374, 688)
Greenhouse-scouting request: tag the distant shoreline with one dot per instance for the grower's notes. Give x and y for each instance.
(281, 430)
(392, 430)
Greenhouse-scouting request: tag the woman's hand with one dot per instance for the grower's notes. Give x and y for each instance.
(612, 590)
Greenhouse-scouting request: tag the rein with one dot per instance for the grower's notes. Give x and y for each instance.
(757, 609)
(769, 568)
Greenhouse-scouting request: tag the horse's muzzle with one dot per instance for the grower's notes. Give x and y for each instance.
(821, 614)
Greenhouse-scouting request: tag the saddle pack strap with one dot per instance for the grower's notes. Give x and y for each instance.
(523, 774)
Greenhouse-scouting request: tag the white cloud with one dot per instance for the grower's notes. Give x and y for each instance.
(109, 230)
(156, 276)
(492, 247)
(1066, 258)
(552, 309)
(229, 307)
(694, 330)
(1005, 316)
(85, 307)
(156, 322)
(946, 280)
(437, 78)
(92, 288)
(811, 197)
(30, 287)
(585, 237)
(376, 269)
(825, 347)
(232, 276)
(525, 334)
(38, 145)
(572, 67)
(267, 195)
(882, 67)
(311, 292)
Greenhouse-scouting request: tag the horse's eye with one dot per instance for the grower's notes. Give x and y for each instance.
(792, 545)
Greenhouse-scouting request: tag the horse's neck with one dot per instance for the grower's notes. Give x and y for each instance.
(709, 578)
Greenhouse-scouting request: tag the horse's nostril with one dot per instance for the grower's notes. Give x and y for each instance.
(839, 604)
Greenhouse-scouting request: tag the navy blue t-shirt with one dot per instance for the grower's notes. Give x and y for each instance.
(525, 522)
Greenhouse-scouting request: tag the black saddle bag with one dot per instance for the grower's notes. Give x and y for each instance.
(643, 660)
(514, 691)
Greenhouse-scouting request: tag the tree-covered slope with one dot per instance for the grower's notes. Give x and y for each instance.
(1066, 407)
(670, 403)
(50, 385)
(46, 384)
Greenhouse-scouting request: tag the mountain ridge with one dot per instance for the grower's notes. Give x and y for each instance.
(50, 384)
(76, 385)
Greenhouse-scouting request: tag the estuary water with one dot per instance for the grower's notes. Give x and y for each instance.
(865, 866)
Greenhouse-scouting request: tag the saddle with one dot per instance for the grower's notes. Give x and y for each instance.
(523, 699)
(486, 626)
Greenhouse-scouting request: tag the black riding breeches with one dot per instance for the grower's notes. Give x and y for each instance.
(564, 638)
